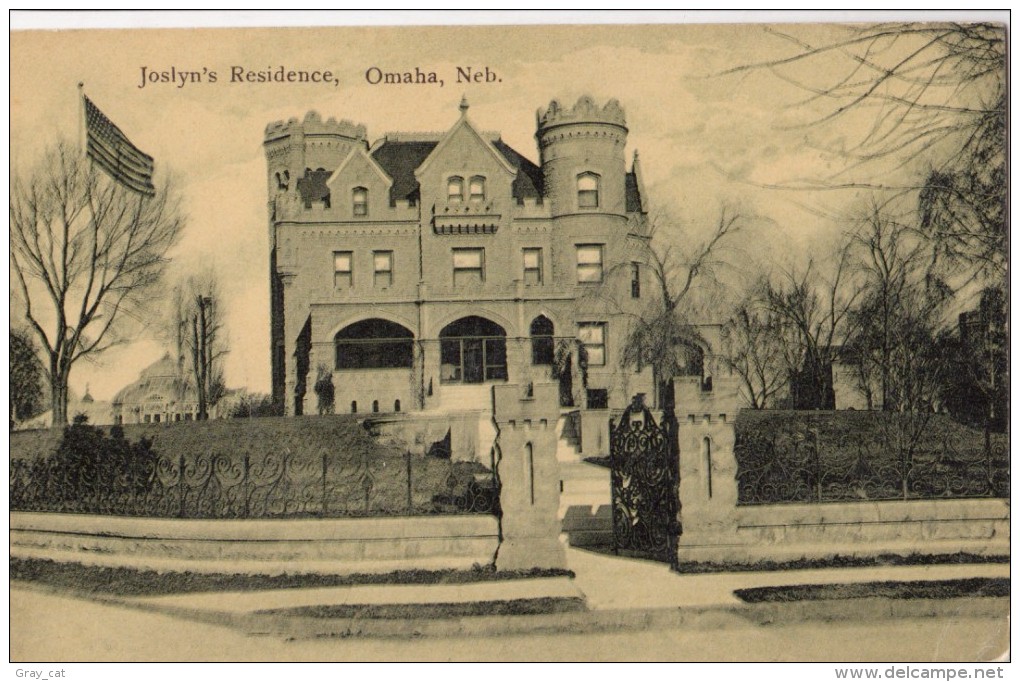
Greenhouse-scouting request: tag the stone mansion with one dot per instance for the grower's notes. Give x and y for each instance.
(418, 270)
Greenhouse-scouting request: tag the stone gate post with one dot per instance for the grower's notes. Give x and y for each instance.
(529, 475)
(708, 467)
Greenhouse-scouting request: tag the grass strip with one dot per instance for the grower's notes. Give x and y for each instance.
(510, 607)
(132, 582)
(892, 589)
(840, 562)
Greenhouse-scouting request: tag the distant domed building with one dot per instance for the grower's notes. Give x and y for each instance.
(163, 393)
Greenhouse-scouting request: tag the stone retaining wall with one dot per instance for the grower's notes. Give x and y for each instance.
(364, 545)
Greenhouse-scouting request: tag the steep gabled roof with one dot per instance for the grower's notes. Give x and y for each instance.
(529, 182)
(400, 157)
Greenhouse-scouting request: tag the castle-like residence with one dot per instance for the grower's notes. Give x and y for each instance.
(416, 271)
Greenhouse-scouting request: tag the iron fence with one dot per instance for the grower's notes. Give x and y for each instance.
(803, 463)
(214, 486)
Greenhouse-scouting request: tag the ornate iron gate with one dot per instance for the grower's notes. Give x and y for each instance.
(645, 462)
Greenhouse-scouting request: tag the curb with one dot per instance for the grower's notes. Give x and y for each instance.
(741, 615)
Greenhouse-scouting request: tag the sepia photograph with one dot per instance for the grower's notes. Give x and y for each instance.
(505, 337)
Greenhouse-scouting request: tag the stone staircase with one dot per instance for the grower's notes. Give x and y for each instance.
(585, 497)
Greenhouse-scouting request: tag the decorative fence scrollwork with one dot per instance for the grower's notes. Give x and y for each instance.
(644, 462)
(825, 458)
(220, 485)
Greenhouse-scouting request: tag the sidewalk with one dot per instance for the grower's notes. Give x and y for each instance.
(610, 582)
(620, 594)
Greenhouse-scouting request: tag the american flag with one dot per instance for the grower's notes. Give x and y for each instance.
(108, 147)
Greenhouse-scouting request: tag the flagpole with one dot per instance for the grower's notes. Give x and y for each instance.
(81, 116)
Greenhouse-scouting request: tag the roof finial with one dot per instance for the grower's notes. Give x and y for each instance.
(463, 105)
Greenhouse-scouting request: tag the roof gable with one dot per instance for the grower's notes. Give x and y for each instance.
(360, 153)
(464, 124)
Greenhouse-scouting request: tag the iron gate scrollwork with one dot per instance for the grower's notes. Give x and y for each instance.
(644, 457)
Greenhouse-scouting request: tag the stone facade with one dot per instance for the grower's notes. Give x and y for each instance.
(416, 272)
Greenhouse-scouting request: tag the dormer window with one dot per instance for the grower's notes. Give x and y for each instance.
(587, 190)
(359, 200)
(455, 189)
(477, 189)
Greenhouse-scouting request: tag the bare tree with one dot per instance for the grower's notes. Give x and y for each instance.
(816, 310)
(754, 340)
(932, 100)
(85, 253)
(889, 254)
(664, 336)
(199, 335)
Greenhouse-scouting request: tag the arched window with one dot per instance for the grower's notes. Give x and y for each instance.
(477, 188)
(455, 189)
(396, 405)
(359, 200)
(587, 190)
(542, 350)
(354, 407)
(375, 405)
(374, 344)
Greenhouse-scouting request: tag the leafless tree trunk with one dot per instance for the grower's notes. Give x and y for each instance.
(85, 253)
(753, 348)
(196, 325)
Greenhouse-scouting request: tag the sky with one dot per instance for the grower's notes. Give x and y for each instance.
(704, 139)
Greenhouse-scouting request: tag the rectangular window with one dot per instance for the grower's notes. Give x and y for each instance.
(635, 280)
(359, 199)
(468, 267)
(532, 266)
(592, 336)
(382, 262)
(343, 268)
(477, 189)
(589, 263)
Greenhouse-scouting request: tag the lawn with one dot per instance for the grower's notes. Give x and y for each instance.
(845, 456)
(244, 468)
(258, 437)
(91, 580)
(893, 589)
(505, 607)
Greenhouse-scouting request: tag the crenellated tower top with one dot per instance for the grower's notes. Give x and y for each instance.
(585, 110)
(314, 125)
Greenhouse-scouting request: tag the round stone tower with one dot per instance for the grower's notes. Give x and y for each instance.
(296, 146)
(582, 156)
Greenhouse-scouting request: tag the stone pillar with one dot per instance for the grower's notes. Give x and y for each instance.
(529, 476)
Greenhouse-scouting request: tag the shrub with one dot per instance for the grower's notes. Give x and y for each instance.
(324, 390)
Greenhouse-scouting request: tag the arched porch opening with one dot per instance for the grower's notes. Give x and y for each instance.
(472, 351)
(374, 344)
